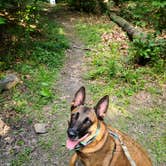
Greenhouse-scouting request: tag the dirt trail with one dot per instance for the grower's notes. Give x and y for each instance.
(74, 67)
(69, 81)
(49, 149)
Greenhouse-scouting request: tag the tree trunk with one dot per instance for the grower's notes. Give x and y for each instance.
(132, 32)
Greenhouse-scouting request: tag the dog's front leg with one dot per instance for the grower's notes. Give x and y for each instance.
(73, 160)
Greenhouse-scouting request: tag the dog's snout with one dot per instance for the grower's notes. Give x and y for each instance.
(72, 133)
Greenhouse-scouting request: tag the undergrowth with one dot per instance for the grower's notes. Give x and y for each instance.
(37, 60)
(109, 64)
(113, 72)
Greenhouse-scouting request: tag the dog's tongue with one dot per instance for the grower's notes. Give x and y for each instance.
(70, 144)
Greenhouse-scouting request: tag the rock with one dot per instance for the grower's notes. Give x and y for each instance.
(4, 128)
(8, 82)
(40, 128)
(9, 140)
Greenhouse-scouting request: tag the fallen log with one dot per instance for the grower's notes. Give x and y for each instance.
(132, 32)
(146, 39)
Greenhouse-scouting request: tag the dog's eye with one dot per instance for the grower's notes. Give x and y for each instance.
(87, 120)
(75, 116)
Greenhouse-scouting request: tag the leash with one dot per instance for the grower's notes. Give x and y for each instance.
(82, 144)
(124, 147)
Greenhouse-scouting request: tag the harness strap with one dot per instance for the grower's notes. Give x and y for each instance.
(115, 136)
(124, 147)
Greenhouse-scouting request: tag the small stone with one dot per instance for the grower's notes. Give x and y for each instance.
(8, 140)
(11, 80)
(40, 128)
(4, 128)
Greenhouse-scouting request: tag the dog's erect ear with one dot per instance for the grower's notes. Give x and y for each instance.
(79, 98)
(101, 107)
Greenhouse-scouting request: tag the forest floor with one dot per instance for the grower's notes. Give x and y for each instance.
(138, 113)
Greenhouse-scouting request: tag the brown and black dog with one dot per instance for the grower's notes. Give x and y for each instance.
(97, 144)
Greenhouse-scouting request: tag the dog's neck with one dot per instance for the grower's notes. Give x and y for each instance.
(98, 142)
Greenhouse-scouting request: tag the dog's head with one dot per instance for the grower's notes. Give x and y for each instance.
(84, 119)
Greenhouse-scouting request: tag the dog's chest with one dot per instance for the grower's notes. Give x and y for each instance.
(101, 157)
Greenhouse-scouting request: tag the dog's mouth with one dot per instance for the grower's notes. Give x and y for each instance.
(71, 144)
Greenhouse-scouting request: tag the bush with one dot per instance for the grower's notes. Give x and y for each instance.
(94, 6)
(136, 10)
(147, 51)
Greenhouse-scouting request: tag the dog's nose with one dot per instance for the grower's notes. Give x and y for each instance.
(72, 133)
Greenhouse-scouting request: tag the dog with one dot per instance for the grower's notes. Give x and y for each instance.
(97, 144)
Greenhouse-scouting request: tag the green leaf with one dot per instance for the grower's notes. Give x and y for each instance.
(45, 93)
(2, 20)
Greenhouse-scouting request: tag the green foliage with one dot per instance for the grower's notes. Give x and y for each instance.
(37, 59)
(24, 13)
(154, 10)
(6, 4)
(22, 157)
(2, 20)
(147, 50)
(111, 72)
(29, 16)
(91, 6)
(109, 65)
(49, 51)
(112, 67)
(92, 32)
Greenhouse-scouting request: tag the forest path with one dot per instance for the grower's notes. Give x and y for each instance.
(74, 67)
(70, 80)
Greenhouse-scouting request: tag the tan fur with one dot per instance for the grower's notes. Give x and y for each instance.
(105, 149)
(100, 151)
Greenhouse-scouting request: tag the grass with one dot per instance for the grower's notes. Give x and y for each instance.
(112, 72)
(37, 62)
(110, 65)
(39, 69)
(92, 32)
(22, 157)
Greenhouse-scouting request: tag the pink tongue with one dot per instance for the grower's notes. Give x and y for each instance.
(71, 144)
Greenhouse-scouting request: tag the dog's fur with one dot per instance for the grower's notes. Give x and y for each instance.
(104, 150)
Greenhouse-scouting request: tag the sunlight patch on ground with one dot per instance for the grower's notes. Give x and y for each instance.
(115, 111)
(4, 128)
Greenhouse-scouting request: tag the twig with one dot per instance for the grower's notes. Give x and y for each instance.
(88, 49)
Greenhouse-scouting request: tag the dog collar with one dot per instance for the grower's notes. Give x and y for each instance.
(83, 143)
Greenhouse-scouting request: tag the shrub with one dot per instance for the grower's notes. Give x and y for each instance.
(146, 51)
(94, 6)
(136, 10)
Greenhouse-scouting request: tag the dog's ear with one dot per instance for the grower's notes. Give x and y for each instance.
(101, 107)
(79, 98)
